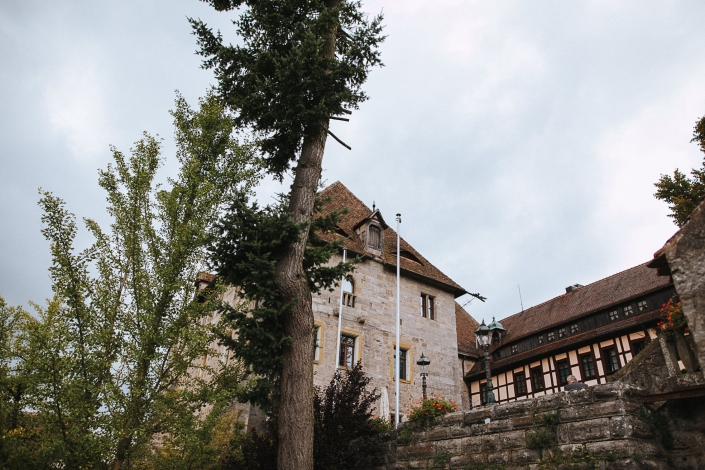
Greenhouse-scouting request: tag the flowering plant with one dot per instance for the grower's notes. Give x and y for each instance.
(425, 411)
(672, 321)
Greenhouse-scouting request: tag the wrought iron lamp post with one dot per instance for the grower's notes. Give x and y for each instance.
(423, 362)
(485, 335)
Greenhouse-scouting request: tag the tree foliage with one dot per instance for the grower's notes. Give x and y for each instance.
(249, 241)
(111, 360)
(278, 81)
(684, 194)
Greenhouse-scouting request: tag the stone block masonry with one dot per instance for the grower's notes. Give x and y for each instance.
(599, 427)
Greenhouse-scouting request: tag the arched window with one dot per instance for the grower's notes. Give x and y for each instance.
(348, 293)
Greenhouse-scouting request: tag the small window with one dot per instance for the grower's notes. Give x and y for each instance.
(628, 310)
(483, 393)
(540, 339)
(563, 372)
(374, 239)
(515, 348)
(610, 360)
(614, 315)
(428, 306)
(642, 306)
(348, 293)
(520, 384)
(537, 379)
(562, 332)
(403, 363)
(574, 329)
(551, 335)
(587, 366)
(317, 342)
(347, 351)
(638, 346)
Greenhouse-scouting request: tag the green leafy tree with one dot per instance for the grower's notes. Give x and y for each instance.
(113, 355)
(299, 63)
(684, 194)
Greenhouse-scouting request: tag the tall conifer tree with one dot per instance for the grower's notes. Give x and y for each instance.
(300, 63)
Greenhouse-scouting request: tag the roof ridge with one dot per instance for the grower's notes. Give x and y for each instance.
(583, 287)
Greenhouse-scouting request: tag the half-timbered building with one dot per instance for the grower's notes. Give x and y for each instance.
(590, 332)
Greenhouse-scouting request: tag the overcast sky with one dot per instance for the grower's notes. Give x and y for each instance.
(520, 140)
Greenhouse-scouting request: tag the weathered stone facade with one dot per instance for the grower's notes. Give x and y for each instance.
(604, 426)
(372, 320)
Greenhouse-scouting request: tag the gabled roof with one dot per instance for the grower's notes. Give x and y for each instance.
(612, 290)
(341, 198)
(465, 327)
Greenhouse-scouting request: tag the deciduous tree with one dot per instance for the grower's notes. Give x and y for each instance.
(112, 357)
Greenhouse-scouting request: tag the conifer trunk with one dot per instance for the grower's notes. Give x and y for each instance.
(295, 450)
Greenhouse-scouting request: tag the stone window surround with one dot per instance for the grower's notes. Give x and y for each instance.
(409, 362)
(358, 345)
(428, 306)
(319, 327)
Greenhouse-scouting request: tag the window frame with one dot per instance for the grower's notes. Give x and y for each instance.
(613, 315)
(349, 297)
(428, 306)
(517, 392)
(593, 361)
(628, 310)
(563, 381)
(380, 240)
(537, 378)
(605, 356)
(357, 351)
(483, 394)
(641, 342)
(408, 369)
(319, 334)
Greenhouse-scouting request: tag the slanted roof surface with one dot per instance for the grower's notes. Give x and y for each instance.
(465, 327)
(342, 198)
(582, 301)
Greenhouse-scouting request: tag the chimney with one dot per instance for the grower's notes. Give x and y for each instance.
(570, 289)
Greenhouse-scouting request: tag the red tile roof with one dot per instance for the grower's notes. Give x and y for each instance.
(585, 300)
(341, 198)
(465, 328)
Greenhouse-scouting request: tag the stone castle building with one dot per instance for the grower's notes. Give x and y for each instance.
(431, 320)
(429, 313)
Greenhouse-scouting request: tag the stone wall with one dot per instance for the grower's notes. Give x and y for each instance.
(604, 426)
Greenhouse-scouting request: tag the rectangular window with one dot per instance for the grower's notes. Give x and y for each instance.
(614, 315)
(563, 372)
(638, 346)
(519, 383)
(574, 328)
(537, 379)
(403, 363)
(562, 332)
(587, 366)
(628, 310)
(317, 342)
(540, 339)
(428, 307)
(483, 393)
(347, 351)
(610, 360)
(642, 306)
(515, 348)
(551, 335)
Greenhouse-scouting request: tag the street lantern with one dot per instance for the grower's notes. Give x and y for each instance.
(485, 335)
(423, 362)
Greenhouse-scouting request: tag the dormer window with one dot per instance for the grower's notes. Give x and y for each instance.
(374, 237)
